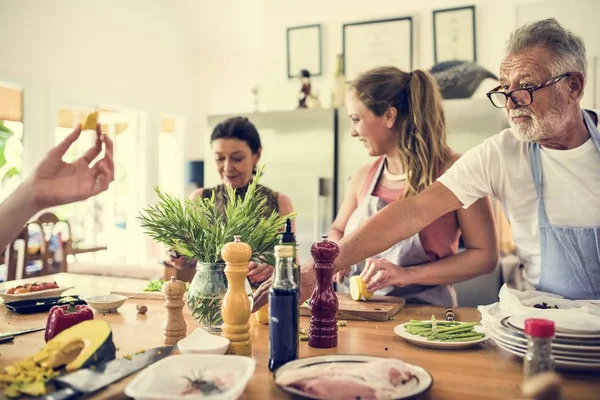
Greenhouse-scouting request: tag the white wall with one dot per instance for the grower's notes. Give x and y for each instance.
(84, 53)
(494, 21)
(581, 16)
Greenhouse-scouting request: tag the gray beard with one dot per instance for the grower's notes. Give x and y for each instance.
(535, 130)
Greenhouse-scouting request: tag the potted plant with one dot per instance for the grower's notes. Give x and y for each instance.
(196, 229)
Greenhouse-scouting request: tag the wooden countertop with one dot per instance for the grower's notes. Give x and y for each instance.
(484, 372)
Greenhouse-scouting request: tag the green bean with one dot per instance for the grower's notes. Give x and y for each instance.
(446, 331)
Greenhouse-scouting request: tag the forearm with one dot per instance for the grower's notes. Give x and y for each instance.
(453, 269)
(335, 235)
(15, 211)
(380, 232)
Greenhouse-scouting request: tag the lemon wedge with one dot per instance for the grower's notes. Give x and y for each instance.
(358, 289)
(90, 121)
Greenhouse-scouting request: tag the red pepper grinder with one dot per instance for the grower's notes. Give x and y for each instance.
(323, 304)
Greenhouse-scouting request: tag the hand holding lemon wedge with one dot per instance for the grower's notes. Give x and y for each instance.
(358, 289)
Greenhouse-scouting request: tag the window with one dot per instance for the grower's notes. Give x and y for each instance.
(108, 219)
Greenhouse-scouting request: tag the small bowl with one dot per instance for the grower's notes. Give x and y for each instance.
(106, 303)
(202, 342)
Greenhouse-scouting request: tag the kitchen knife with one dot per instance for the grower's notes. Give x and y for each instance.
(86, 381)
(22, 332)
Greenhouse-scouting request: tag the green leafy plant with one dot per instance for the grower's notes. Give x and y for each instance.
(196, 229)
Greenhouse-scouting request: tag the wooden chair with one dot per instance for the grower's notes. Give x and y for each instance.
(50, 225)
(16, 254)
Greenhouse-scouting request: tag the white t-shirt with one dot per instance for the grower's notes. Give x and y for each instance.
(499, 167)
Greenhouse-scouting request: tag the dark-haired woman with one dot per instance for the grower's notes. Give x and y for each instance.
(237, 148)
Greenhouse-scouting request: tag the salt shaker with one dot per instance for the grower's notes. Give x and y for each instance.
(235, 308)
(538, 358)
(174, 328)
(323, 328)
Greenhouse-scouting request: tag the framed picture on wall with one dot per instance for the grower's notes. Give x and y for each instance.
(454, 35)
(370, 44)
(304, 50)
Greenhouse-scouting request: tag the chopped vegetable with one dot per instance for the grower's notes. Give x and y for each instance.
(544, 306)
(197, 384)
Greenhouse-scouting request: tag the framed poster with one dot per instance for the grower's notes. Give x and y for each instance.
(454, 35)
(370, 44)
(304, 50)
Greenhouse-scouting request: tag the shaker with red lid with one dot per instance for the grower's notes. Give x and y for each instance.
(538, 358)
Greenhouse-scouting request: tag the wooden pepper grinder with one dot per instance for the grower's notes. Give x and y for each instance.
(323, 329)
(174, 328)
(235, 308)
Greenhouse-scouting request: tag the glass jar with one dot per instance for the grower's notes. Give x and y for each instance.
(206, 293)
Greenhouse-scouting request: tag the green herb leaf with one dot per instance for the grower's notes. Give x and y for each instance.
(196, 229)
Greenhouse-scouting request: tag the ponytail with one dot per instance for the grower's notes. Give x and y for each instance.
(422, 139)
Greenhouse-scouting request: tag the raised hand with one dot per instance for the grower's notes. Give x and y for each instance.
(55, 182)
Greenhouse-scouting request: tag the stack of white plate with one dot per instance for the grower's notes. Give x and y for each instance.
(573, 348)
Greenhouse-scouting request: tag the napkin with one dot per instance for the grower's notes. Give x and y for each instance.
(579, 315)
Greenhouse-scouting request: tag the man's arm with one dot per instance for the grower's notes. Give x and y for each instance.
(395, 222)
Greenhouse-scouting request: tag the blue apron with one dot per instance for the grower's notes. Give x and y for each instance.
(570, 257)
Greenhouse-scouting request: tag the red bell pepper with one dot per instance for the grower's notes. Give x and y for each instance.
(65, 316)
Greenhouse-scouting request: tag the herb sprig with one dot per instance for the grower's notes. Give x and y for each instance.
(196, 229)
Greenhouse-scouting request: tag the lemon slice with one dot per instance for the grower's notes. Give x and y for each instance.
(90, 121)
(358, 289)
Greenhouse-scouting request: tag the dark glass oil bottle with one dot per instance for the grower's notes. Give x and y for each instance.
(288, 238)
(283, 310)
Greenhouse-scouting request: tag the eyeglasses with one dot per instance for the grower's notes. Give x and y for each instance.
(522, 96)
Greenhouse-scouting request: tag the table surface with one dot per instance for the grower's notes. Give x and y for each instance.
(481, 372)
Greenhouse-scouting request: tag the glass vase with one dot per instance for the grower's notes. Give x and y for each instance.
(206, 293)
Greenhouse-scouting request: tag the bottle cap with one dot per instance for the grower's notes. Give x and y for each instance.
(284, 251)
(288, 236)
(538, 327)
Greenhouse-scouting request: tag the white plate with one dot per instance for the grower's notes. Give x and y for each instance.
(503, 334)
(163, 380)
(422, 383)
(400, 330)
(558, 355)
(559, 338)
(564, 328)
(559, 364)
(34, 295)
(106, 303)
(202, 342)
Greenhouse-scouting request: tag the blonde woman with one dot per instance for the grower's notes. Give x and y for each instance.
(398, 117)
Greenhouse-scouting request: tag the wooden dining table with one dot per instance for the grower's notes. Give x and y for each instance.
(482, 372)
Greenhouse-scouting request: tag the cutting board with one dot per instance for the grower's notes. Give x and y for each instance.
(377, 308)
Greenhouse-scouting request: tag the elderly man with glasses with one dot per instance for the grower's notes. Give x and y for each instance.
(545, 170)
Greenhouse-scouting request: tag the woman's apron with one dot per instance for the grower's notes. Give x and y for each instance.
(570, 257)
(406, 253)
